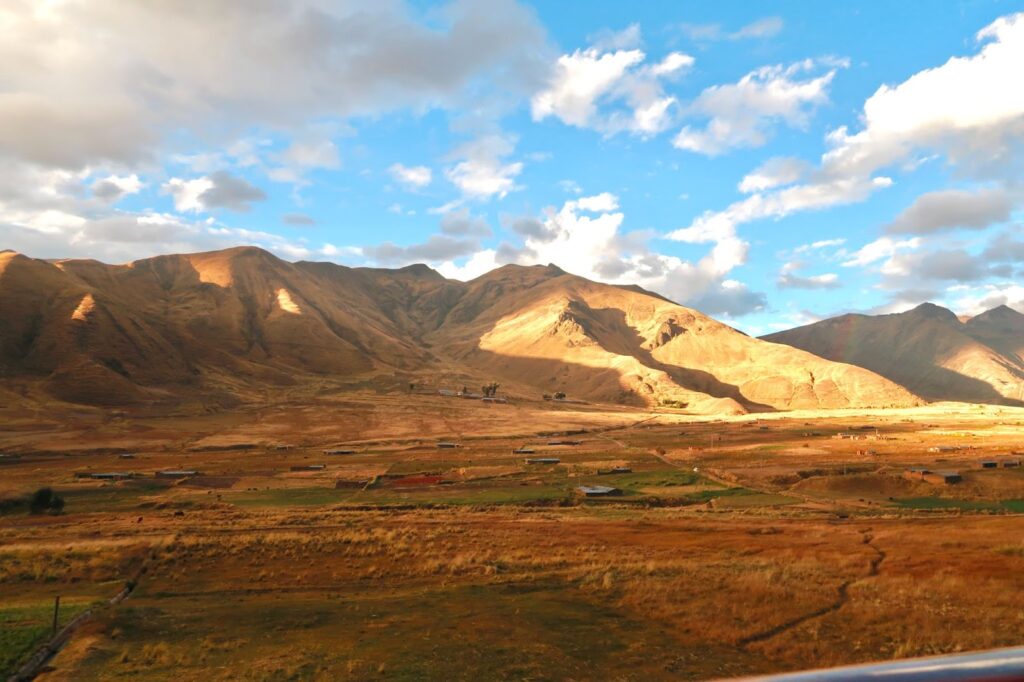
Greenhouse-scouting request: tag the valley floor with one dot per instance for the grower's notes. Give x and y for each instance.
(734, 546)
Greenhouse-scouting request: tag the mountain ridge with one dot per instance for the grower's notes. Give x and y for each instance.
(230, 323)
(927, 349)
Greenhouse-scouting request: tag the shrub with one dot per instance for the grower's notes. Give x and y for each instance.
(45, 500)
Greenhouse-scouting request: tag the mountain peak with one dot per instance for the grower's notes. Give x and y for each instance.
(933, 311)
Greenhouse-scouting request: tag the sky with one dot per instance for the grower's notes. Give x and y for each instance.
(769, 163)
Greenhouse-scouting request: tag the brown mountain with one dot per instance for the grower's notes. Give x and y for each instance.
(928, 349)
(227, 325)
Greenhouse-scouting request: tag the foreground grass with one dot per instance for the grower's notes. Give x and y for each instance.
(25, 626)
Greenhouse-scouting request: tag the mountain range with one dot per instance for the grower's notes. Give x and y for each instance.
(229, 326)
(928, 350)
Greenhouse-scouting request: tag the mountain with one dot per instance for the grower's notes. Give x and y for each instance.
(929, 350)
(229, 325)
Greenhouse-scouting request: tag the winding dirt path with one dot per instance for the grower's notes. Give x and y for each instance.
(842, 597)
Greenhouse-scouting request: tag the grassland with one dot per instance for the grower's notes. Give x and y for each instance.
(735, 547)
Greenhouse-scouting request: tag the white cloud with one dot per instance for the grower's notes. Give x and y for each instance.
(482, 173)
(883, 247)
(217, 190)
(989, 296)
(775, 172)
(186, 193)
(970, 109)
(743, 114)
(613, 78)
(113, 188)
(584, 237)
(415, 177)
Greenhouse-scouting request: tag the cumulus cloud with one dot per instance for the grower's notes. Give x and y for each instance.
(217, 190)
(482, 172)
(609, 88)
(584, 237)
(975, 301)
(953, 208)
(881, 248)
(413, 177)
(743, 114)
(969, 110)
(113, 188)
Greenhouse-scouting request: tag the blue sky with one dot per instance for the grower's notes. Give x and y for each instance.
(768, 163)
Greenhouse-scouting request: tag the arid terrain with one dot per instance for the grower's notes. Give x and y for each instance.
(736, 545)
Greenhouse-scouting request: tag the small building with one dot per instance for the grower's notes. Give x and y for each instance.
(523, 451)
(597, 490)
(448, 446)
(283, 446)
(126, 455)
(177, 473)
(564, 442)
(989, 464)
(614, 470)
(494, 399)
(309, 467)
(942, 477)
(106, 475)
(542, 460)
(339, 451)
(446, 393)
(1010, 463)
(867, 452)
(943, 448)
(916, 473)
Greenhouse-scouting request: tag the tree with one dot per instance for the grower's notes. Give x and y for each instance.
(44, 500)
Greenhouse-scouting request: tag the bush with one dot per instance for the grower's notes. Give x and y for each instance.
(45, 500)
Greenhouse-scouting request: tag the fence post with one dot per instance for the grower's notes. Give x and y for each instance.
(56, 611)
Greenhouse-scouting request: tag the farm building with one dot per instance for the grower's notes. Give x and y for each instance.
(936, 477)
(339, 451)
(543, 460)
(309, 467)
(126, 455)
(597, 490)
(944, 448)
(448, 445)
(1010, 463)
(177, 473)
(106, 475)
(564, 442)
(989, 464)
(494, 399)
(523, 451)
(614, 470)
(943, 477)
(283, 446)
(446, 393)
